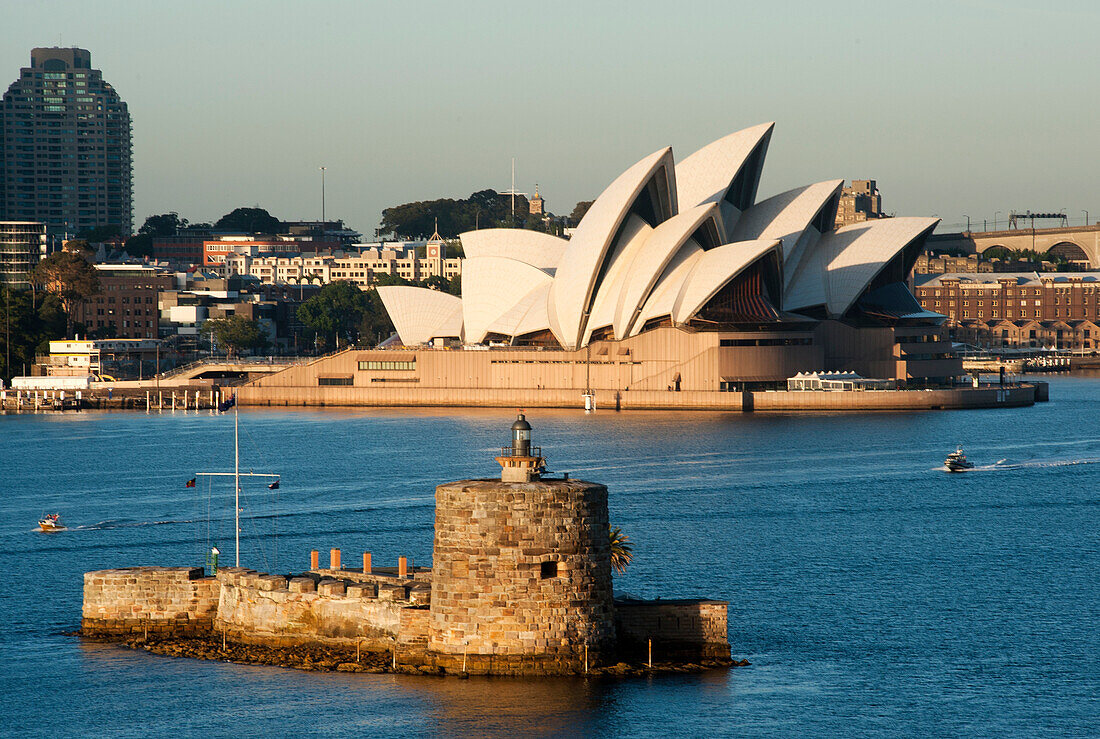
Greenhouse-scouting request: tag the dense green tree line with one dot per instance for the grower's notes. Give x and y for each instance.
(30, 320)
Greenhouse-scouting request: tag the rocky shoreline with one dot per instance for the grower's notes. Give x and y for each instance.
(328, 659)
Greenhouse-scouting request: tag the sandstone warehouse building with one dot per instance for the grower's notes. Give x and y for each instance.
(677, 280)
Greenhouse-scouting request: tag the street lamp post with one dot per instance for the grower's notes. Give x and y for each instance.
(1086, 218)
(967, 222)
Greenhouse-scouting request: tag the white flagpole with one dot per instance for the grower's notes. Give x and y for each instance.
(236, 482)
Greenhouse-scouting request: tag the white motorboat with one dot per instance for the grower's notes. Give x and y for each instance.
(957, 462)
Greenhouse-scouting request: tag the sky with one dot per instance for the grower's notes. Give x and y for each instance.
(957, 108)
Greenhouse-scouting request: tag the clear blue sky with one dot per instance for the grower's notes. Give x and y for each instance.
(962, 107)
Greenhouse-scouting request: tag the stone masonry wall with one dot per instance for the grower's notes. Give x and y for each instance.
(521, 570)
(162, 600)
(270, 609)
(680, 629)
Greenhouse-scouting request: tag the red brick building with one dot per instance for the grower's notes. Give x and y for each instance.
(126, 305)
(1031, 309)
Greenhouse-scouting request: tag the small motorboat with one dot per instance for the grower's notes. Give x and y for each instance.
(957, 462)
(51, 522)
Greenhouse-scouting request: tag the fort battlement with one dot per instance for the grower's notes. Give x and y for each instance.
(179, 601)
(520, 584)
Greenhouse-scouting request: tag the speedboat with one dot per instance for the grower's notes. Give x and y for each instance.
(957, 462)
(51, 522)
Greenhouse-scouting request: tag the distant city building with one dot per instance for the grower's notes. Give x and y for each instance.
(65, 157)
(22, 245)
(1030, 309)
(199, 297)
(184, 250)
(327, 231)
(214, 252)
(537, 204)
(126, 305)
(115, 358)
(940, 264)
(859, 202)
(362, 268)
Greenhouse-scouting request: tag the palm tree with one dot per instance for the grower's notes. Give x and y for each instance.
(622, 550)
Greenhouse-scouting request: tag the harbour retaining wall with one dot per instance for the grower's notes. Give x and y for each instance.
(986, 396)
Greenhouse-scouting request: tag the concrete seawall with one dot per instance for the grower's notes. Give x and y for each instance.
(986, 396)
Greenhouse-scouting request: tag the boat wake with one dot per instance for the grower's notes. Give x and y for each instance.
(1006, 464)
(116, 523)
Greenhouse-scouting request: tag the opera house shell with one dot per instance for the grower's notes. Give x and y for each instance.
(677, 279)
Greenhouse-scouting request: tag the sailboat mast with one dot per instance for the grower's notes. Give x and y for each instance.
(236, 485)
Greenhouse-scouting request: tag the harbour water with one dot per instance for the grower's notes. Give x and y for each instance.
(873, 593)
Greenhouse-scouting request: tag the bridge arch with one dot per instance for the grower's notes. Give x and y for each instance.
(1068, 250)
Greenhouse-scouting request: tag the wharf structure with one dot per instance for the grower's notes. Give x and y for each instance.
(520, 584)
(678, 289)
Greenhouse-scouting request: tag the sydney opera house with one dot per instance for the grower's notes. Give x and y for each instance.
(677, 280)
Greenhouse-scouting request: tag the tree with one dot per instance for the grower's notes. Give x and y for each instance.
(157, 226)
(385, 280)
(165, 224)
(26, 329)
(249, 220)
(579, 210)
(376, 323)
(100, 233)
(622, 549)
(235, 333)
(436, 282)
(79, 246)
(483, 209)
(336, 311)
(70, 278)
(140, 245)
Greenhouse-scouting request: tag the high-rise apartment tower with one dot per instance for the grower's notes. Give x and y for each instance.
(65, 146)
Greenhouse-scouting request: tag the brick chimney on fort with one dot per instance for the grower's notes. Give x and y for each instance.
(522, 565)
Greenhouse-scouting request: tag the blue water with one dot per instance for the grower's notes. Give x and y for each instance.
(873, 593)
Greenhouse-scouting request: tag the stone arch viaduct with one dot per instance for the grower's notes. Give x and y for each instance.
(1075, 243)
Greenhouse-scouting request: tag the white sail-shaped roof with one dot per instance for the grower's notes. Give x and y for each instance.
(793, 217)
(525, 317)
(606, 303)
(807, 284)
(491, 287)
(636, 260)
(533, 247)
(713, 270)
(844, 262)
(575, 280)
(654, 256)
(706, 175)
(856, 254)
(420, 314)
(662, 300)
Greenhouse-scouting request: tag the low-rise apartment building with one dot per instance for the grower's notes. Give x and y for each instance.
(1029, 309)
(126, 305)
(361, 268)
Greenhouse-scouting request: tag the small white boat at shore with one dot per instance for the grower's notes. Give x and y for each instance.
(51, 522)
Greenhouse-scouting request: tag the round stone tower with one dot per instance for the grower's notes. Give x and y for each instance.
(521, 569)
